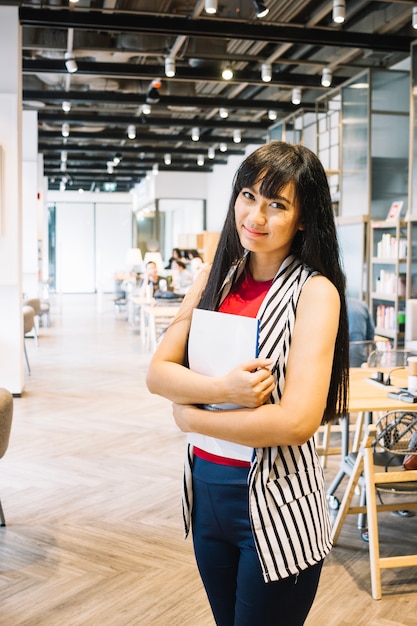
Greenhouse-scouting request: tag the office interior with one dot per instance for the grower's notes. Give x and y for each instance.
(67, 238)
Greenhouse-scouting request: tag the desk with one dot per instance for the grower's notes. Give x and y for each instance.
(365, 398)
(156, 315)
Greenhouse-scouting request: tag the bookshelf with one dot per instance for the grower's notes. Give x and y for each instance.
(388, 279)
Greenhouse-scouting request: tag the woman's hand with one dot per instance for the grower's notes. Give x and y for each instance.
(250, 384)
(182, 413)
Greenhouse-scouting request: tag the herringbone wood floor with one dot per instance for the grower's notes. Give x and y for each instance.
(90, 487)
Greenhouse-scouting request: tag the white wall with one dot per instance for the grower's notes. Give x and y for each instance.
(11, 318)
(94, 233)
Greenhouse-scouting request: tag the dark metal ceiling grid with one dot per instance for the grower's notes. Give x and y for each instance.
(120, 46)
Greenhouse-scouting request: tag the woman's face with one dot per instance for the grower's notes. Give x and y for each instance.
(267, 225)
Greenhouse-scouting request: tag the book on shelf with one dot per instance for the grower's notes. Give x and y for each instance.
(395, 209)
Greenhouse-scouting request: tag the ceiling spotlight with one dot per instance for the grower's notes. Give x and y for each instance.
(169, 67)
(211, 152)
(266, 72)
(110, 167)
(296, 95)
(210, 6)
(146, 109)
(326, 77)
(64, 156)
(155, 169)
(260, 9)
(237, 137)
(117, 158)
(152, 96)
(167, 159)
(272, 115)
(65, 130)
(224, 113)
(223, 147)
(227, 73)
(70, 63)
(339, 11)
(200, 160)
(415, 17)
(195, 134)
(66, 106)
(131, 131)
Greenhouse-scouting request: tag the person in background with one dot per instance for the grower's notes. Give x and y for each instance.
(176, 256)
(259, 515)
(362, 329)
(182, 278)
(150, 280)
(196, 263)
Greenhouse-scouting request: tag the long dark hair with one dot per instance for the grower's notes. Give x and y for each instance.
(274, 165)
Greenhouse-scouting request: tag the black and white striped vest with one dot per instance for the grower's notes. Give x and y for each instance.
(288, 506)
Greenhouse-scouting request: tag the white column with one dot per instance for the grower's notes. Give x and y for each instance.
(11, 320)
(31, 232)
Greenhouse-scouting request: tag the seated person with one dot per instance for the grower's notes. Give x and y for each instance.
(150, 281)
(361, 328)
(182, 278)
(176, 256)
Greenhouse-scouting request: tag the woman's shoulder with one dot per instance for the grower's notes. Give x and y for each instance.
(318, 287)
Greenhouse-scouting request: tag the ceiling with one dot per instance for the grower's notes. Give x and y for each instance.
(120, 47)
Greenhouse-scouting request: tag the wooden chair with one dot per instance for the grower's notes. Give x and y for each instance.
(35, 303)
(6, 414)
(28, 326)
(387, 441)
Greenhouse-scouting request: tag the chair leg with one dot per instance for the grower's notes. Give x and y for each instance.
(2, 518)
(347, 498)
(372, 514)
(26, 357)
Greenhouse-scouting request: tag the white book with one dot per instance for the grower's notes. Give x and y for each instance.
(218, 342)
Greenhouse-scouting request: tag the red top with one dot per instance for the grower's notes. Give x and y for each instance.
(246, 296)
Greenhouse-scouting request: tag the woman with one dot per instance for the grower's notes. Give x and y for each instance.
(260, 519)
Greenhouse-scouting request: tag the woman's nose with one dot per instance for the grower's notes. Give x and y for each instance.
(258, 214)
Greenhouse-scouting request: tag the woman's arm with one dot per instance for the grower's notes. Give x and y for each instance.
(309, 368)
(250, 384)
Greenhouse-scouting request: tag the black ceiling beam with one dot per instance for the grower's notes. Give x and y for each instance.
(116, 136)
(211, 28)
(185, 74)
(74, 96)
(47, 148)
(149, 122)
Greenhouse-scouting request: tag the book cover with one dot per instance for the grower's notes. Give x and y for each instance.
(218, 342)
(395, 210)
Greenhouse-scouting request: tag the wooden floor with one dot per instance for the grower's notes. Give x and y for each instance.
(90, 486)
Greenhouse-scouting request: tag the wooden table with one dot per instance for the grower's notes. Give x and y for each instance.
(366, 397)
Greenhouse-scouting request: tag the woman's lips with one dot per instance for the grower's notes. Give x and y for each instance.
(253, 233)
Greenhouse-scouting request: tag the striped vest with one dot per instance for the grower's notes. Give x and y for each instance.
(288, 507)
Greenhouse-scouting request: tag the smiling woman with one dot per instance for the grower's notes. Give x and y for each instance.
(277, 260)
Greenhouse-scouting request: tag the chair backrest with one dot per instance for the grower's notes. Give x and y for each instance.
(389, 358)
(28, 319)
(35, 303)
(359, 352)
(6, 414)
(396, 432)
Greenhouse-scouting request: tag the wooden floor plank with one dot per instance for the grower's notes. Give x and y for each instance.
(90, 487)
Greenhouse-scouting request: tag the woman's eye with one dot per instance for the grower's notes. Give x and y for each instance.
(247, 194)
(277, 205)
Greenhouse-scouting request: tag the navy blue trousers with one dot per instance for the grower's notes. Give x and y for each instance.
(227, 559)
